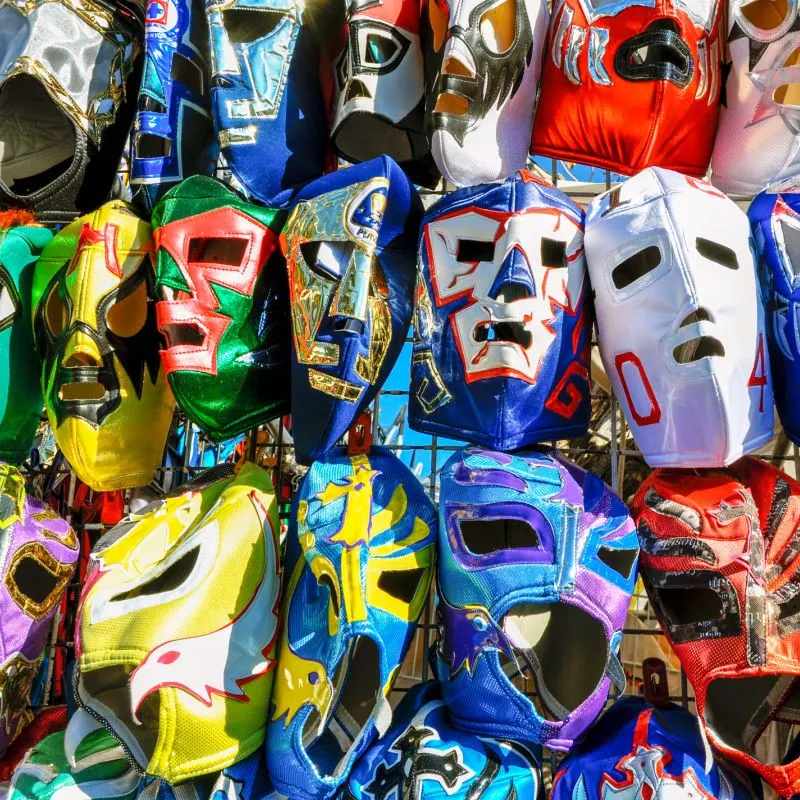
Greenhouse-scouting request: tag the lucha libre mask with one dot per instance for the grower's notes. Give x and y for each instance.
(423, 757)
(350, 245)
(106, 396)
(776, 228)
(20, 399)
(226, 312)
(501, 331)
(177, 626)
(68, 76)
(95, 767)
(380, 103)
(38, 551)
(636, 746)
(479, 113)
(266, 94)
(758, 139)
(628, 84)
(173, 134)
(537, 564)
(671, 258)
(359, 563)
(719, 562)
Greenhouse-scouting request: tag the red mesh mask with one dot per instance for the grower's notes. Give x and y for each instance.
(720, 561)
(630, 84)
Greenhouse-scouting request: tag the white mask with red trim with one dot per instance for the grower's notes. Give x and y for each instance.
(680, 320)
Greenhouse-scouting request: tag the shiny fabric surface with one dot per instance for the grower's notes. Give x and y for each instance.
(537, 564)
(423, 757)
(79, 766)
(350, 245)
(269, 108)
(177, 624)
(83, 58)
(680, 319)
(757, 145)
(630, 84)
(487, 60)
(719, 562)
(775, 219)
(502, 319)
(20, 388)
(359, 563)
(225, 307)
(173, 133)
(38, 551)
(637, 749)
(106, 396)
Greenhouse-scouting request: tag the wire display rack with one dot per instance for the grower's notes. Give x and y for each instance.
(608, 450)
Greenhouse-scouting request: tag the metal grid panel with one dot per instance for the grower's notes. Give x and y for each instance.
(608, 450)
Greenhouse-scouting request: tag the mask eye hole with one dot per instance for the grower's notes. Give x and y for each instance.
(229, 251)
(55, 312)
(380, 50)
(128, 315)
(244, 25)
(791, 241)
(484, 536)
(471, 251)
(498, 26)
(636, 266)
(554, 253)
(766, 15)
(620, 561)
(329, 259)
(401, 584)
(169, 580)
(187, 73)
(691, 605)
(150, 145)
(34, 581)
(714, 251)
(788, 94)
(439, 16)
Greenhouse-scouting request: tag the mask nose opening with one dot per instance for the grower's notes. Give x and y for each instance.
(357, 89)
(698, 315)
(452, 102)
(357, 696)
(31, 122)
(560, 655)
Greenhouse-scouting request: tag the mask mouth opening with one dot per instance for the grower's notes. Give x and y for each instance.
(657, 54)
(91, 391)
(357, 697)
(31, 123)
(183, 334)
(365, 135)
(698, 348)
(509, 332)
(560, 654)
(105, 693)
(741, 710)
